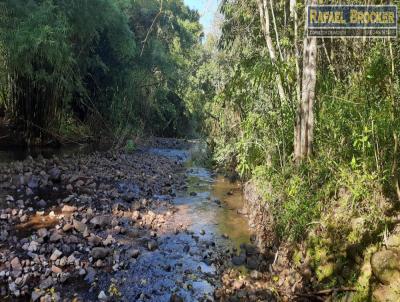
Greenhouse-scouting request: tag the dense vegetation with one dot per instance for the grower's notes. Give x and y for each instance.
(68, 67)
(338, 196)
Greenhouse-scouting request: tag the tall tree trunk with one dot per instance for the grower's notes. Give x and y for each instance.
(305, 114)
(266, 27)
(394, 114)
(297, 138)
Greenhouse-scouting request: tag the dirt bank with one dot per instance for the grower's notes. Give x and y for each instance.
(289, 279)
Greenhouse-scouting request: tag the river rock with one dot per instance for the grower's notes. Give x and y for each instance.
(256, 275)
(239, 260)
(33, 246)
(101, 221)
(21, 281)
(16, 264)
(23, 218)
(56, 269)
(33, 182)
(36, 294)
(55, 237)
(102, 296)
(42, 233)
(252, 263)
(71, 239)
(63, 261)
(393, 240)
(41, 203)
(46, 283)
(71, 259)
(386, 266)
(386, 293)
(94, 240)
(135, 215)
(109, 240)
(149, 218)
(91, 275)
(67, 227)
(100, 252)
(249, 249)
(132, 253)
(68, 209)
(55, 174)
(79, 226)
(13, 289)
(29, 192)
(56, 254)
(18, 180)
(152, 245)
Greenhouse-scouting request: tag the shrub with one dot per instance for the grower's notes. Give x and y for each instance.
(130, 146)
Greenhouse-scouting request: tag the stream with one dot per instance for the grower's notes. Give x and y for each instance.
(183, 268)
(205, 235)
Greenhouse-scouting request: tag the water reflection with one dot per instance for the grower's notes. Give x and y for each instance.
(229, 221)
(211, 205)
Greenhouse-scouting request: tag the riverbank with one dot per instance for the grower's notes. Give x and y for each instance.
(326, 265)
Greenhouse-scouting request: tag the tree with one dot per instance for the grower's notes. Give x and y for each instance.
(118, 63)
(304, 128)
(304, 133)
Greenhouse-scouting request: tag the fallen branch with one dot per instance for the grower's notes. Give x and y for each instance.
(331, 290)
(310, 296)
(325, 292)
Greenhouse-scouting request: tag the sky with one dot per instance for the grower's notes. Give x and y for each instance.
(207, 10)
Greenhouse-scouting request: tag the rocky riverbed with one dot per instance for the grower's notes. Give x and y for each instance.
(113, 226)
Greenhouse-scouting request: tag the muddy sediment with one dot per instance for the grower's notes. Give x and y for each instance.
(290, 280)
(259, 217)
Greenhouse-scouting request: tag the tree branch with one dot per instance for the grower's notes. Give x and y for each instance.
(151, 28)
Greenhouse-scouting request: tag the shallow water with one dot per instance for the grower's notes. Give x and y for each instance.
(211, 202)
(214, 208)
(230, 222)
(183, 263)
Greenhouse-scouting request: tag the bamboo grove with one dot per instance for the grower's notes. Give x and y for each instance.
(66, 65)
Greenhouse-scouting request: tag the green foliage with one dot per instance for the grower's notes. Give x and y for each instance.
(353, 175)
(252, 128)
(293, 199)
(117, 63)
(130, 146)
